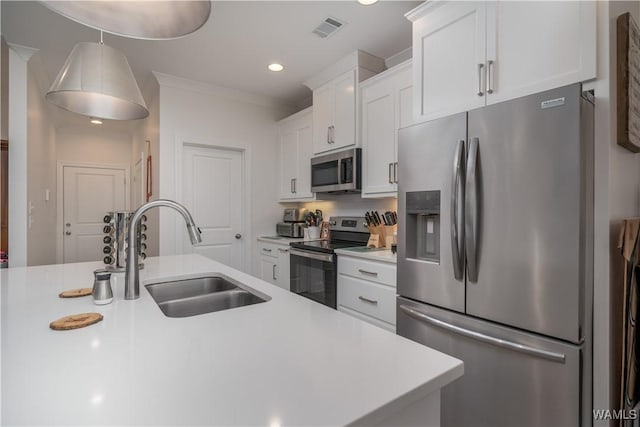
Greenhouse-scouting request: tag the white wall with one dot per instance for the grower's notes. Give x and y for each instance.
(17, 132)
(194, 112)
(4, 89)
(41, 173)
(617, 196)
(149, 130)
(93, 144)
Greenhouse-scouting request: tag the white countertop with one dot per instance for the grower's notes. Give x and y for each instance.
(384, 255)
(288, 361)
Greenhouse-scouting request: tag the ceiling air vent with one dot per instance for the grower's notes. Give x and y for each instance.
(328, 27)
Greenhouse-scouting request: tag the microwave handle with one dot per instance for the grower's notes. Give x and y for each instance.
(343, 171)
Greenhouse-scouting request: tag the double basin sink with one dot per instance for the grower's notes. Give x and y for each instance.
(204, 294)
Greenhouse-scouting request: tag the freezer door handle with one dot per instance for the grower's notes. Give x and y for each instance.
(471, 211)
(457, 232)
(522, 348)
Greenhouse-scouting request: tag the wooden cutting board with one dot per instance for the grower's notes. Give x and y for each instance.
(74, 293)
(75, 321)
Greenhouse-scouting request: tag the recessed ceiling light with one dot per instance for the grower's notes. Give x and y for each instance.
(96, 121)
(276, 67)
(367, 2)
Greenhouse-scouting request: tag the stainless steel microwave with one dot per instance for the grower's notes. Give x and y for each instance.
(337, 172)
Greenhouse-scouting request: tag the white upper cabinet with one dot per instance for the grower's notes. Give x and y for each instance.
(470, 54)
(295, 156)
(536, 46)
(448, 56)
(335, 94)
(334, 113)
(386, 107)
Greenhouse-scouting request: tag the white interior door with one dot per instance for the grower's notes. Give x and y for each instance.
(213, 191)
(88, 194)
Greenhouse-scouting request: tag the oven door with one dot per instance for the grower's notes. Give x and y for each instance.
(313, 275)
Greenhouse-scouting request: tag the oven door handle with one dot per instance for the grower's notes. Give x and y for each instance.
(313, 255)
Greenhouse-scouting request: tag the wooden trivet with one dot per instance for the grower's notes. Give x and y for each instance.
(75, 321)
(75, 293)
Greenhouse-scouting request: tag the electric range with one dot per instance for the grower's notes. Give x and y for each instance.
(313, 264)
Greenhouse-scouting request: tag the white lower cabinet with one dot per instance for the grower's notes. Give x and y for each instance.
(274, 264)
(282, 269)
(367, 290)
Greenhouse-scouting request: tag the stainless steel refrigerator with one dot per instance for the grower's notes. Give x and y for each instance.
(495, 257)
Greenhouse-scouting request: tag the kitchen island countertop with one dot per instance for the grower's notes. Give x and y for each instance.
(288, 361)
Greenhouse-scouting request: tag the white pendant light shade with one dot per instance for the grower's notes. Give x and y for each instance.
(165, 19)
(96, 81)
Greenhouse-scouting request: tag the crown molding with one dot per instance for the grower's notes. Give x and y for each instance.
(426, 7)
(356, 59)
(24, 52)
(210, 89)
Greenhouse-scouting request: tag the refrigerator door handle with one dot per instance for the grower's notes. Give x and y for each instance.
(471, 211)
(522, 348)
(457, 232)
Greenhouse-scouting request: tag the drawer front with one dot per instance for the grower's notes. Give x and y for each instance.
(374, 300)
(267, 249)
(378, 272)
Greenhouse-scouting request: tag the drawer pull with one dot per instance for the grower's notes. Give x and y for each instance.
(368, 273)
(283, 250)
(266, 250)
(370, 301)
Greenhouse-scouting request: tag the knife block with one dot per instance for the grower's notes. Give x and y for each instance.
(382, 236)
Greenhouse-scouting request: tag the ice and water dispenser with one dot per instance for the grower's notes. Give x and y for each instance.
(423, 225)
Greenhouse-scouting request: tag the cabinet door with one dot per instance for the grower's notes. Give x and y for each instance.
(535, 46)
(448, 59)
(378, 137)
(405, 100)
(344, 111)
(302, 185)
(268, 267)
(282, 270)
(322, 118)
(288, 161)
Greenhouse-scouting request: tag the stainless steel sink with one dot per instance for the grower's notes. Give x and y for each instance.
(199, 295)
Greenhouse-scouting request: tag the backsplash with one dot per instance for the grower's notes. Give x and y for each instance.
(350, 205)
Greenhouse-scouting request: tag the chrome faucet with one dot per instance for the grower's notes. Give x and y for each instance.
(132, 272)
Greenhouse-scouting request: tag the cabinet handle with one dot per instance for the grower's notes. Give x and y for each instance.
(266, 250)
(333, 134)
(395, 172)
(295, 181)
(370, 301)
(274, 272)
(480, 67)
(283, 250)
(369, 273)
(390, 169)
(291, 185)
(490, 76)
(328, 134)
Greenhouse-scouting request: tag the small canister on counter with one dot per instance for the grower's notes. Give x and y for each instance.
(102, 293)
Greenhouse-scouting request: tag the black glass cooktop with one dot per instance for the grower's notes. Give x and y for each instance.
(325, 245)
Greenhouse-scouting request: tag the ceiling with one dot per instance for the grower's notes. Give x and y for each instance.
(235, 46)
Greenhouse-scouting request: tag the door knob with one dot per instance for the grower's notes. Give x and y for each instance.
(68, 233)
(68, 224)
(238, 236)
